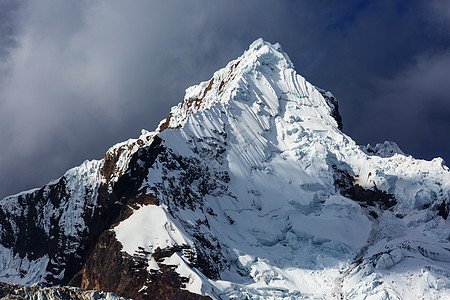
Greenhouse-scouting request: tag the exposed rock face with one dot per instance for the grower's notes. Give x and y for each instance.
(110, 269)
(444, 209)
(371, 197)
(334, 105)
(248, 189)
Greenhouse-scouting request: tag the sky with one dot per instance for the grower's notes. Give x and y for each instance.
(77, 77)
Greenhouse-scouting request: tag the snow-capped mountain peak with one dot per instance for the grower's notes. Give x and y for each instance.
(264, 66)
(248, 189)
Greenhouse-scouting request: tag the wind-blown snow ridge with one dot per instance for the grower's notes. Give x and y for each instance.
(253, 191)
(229, 83)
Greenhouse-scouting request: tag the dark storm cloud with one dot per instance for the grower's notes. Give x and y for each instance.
(410, 103)
(416, 101)
(79, 76)
(440, 13)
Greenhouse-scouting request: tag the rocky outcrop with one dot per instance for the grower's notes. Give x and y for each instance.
(346, 185)
(444, 209)
(110, 269)
(15, 291)
(334, 105)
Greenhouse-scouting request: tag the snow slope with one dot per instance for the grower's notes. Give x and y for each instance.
(260, 195)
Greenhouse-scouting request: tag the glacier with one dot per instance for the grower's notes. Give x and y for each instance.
(249, 189)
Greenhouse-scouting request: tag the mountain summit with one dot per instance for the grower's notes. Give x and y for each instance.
(247, 190)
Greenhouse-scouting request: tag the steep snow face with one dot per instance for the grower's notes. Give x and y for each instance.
(280, 203)
(14, 269)
(55, 213)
